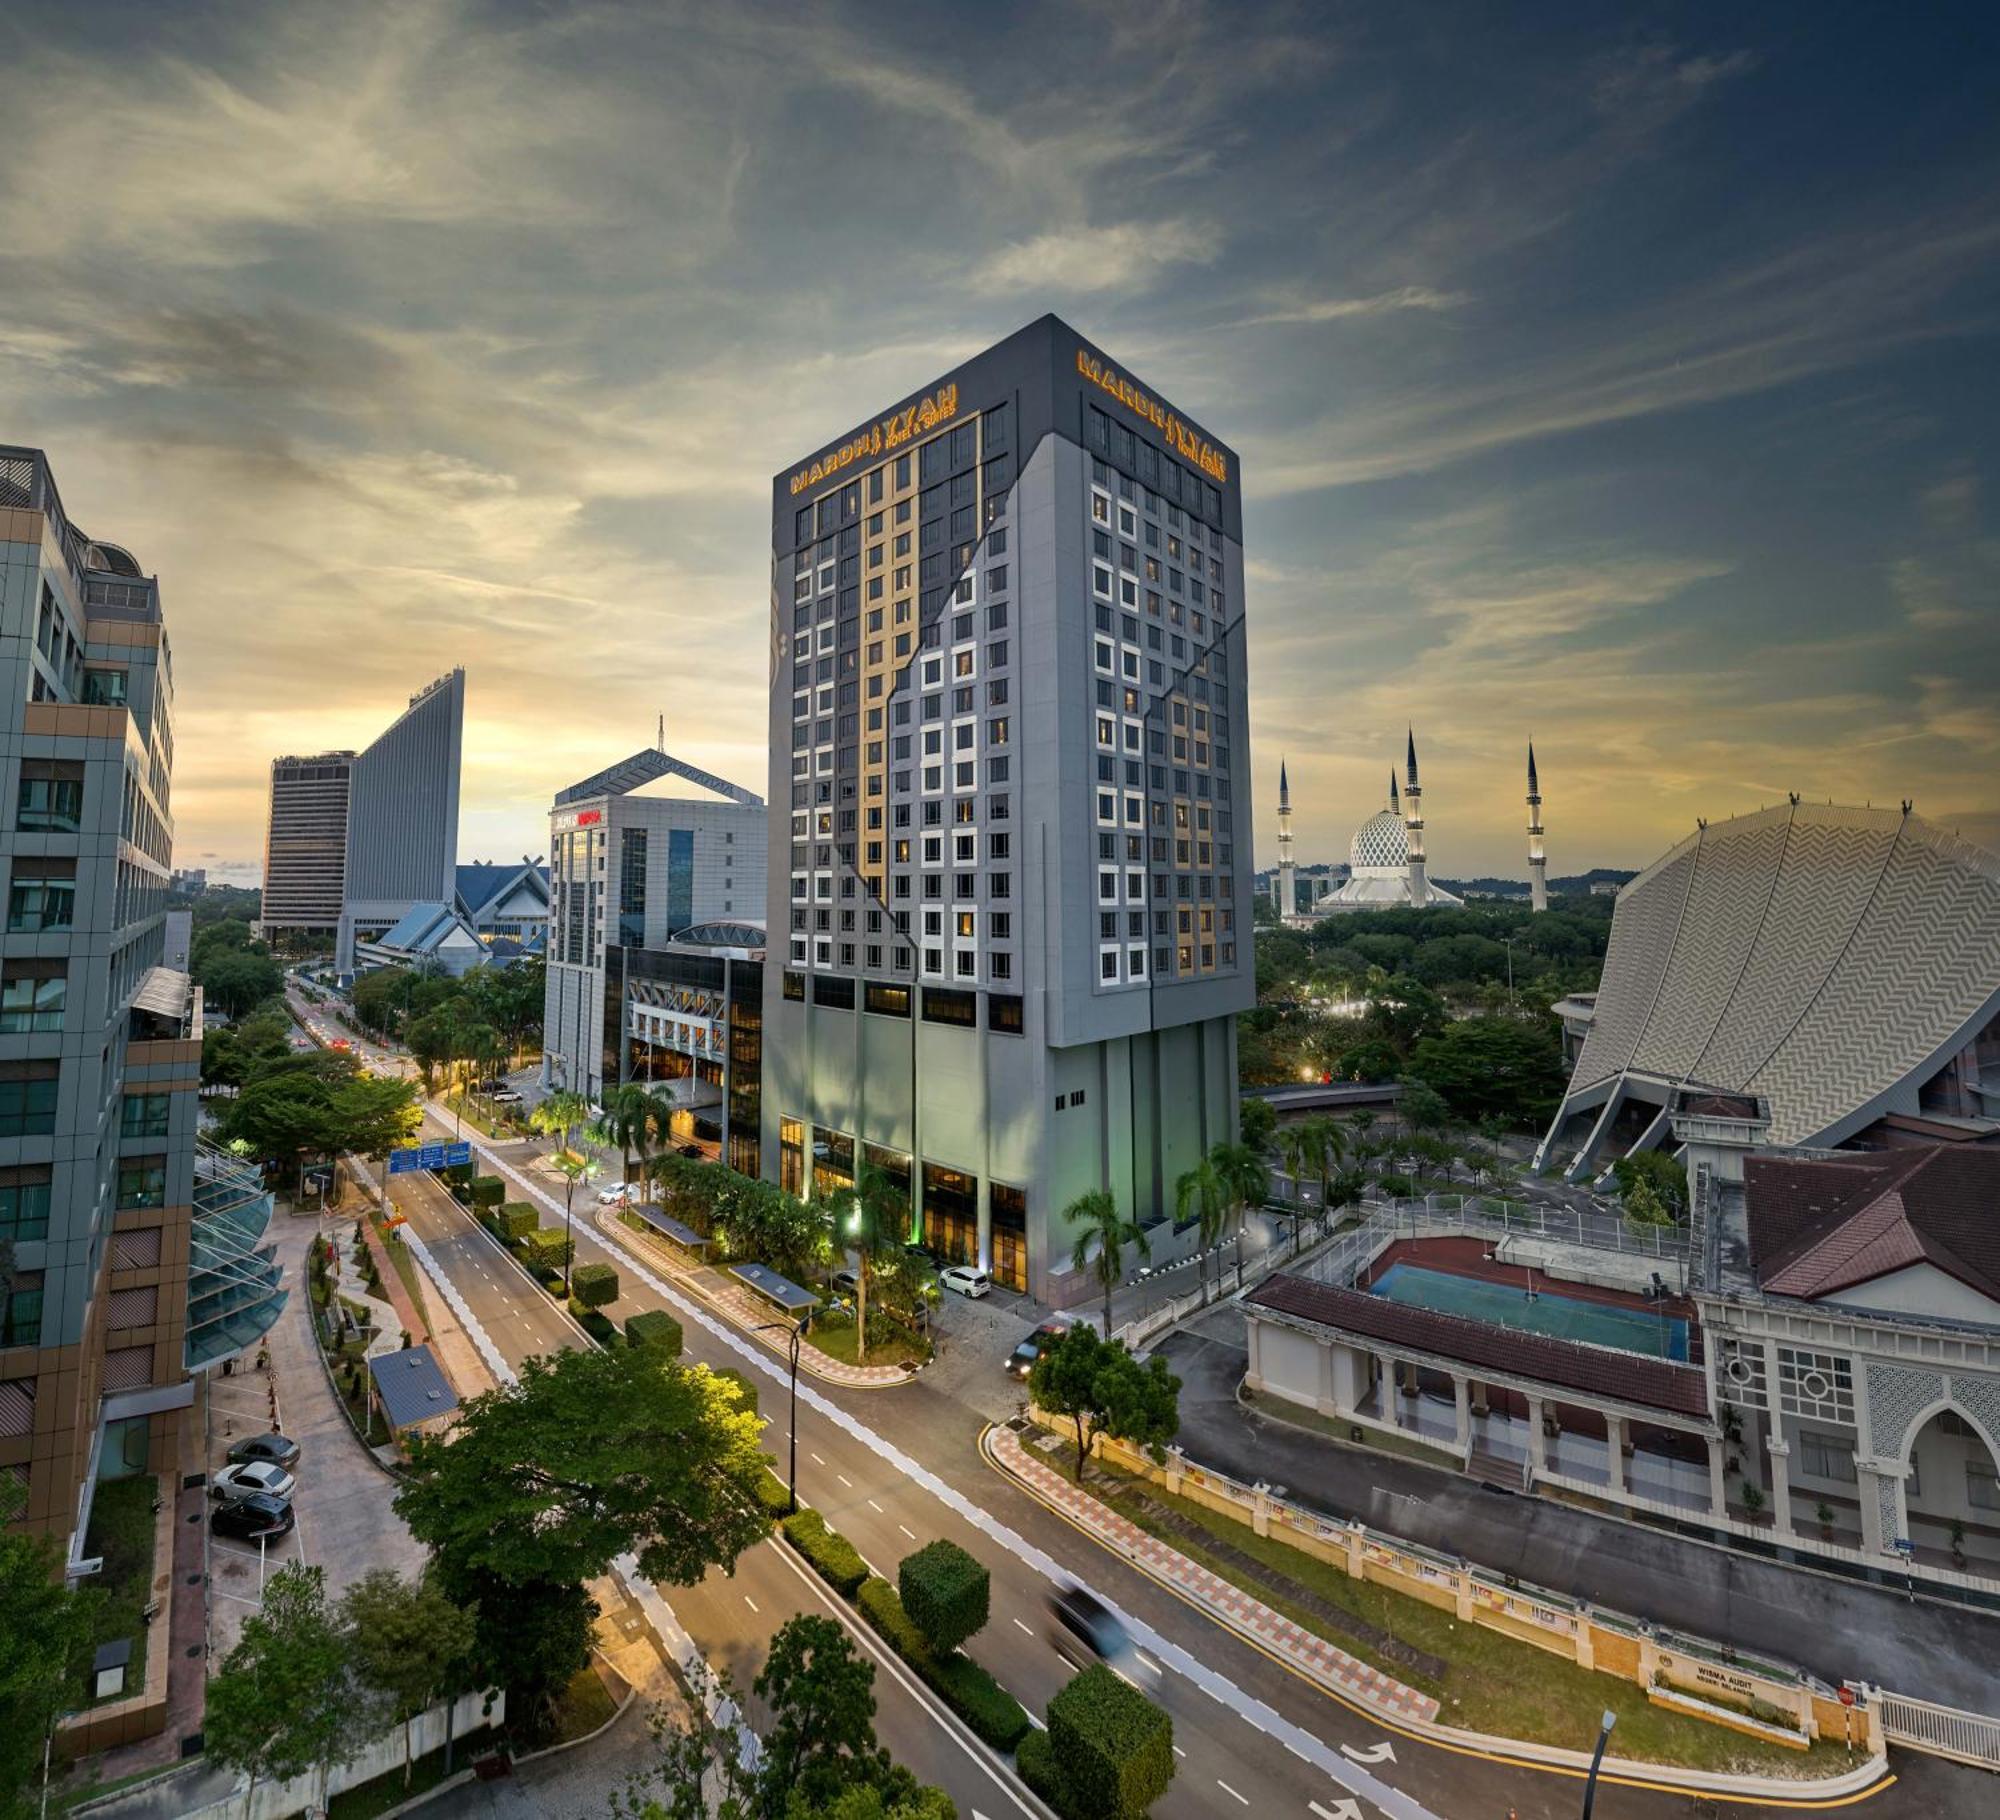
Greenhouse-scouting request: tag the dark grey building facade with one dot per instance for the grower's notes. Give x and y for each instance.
(1011, 874)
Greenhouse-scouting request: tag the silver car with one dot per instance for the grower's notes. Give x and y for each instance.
(251, 1478)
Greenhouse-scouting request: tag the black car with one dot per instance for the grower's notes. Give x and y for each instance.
(1086, 1629)
(1022, 1359)
(279, 1450)
(252, 1519)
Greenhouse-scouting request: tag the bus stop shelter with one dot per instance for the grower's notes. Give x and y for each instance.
(781, 1292)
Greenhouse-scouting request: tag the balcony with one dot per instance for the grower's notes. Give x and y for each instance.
(234, 1297)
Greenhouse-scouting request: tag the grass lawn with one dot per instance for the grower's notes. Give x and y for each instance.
(586, 1704)
(385, 1792)
(1494, 1683)
(473, 1112)
(889, 1342)
(406, 1267)
(121, 1530)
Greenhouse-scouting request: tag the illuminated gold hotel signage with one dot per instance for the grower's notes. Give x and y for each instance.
(891, 433)
(1182, 438)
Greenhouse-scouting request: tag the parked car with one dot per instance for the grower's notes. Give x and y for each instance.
(490, 1087)
(1086, 1630)
(259, 1517)
(967, 1279)
(1022, 1359)
(280, 1450)
(611, 1196)
(846, 1282)
(234, 1483)
(504, 1096)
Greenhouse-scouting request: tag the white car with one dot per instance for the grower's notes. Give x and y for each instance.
(253, 1476)
(964, 1278)
(611, 1196)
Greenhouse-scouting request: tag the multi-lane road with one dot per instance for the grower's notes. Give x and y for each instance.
(892, 1469)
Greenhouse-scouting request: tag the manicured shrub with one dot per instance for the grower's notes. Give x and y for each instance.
(600, 1328)
(654, 1328)
(1115, 1746)
(545, 1249)
(515, 1220)
(774, 1496)
(992, 1712)
(947, 1593)
(487, 1191)
(594, 1285)
(830, 1554)
(1035, 1762)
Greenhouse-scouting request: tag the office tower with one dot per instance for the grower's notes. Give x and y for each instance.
(135, 1253)
(359, 839)
(631, 877)
(305, 847)
(1010, 843)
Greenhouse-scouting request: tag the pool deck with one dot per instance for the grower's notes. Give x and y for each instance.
(1469, 1257)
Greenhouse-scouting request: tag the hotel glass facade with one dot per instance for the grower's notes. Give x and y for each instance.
(1010, 837)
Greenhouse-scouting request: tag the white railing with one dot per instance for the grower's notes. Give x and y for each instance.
(1944, 1731)
(1484, 1216)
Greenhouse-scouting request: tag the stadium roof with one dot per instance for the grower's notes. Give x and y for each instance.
(1829, 960)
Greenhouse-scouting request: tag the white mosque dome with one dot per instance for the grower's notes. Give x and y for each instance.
(1380, 841)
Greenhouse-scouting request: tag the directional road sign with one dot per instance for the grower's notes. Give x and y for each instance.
(428, 1156)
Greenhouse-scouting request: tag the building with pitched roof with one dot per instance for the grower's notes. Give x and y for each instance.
(1841, 964)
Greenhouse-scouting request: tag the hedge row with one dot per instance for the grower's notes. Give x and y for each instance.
(774, 1496)
(1035, 1764)
(831, 1555)
(992, 1712)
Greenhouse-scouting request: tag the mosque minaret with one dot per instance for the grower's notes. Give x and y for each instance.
(1288, 902)
(1538, 859)
(1413, 822)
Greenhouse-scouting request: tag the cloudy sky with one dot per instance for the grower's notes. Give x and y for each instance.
(1621, 375)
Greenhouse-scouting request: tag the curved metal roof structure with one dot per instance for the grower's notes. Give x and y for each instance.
(1829, 960)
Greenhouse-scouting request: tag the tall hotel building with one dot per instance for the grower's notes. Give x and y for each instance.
(136, 1256)
(1010, 893)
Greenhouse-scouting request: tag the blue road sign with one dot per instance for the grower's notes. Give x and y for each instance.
(429, 1156)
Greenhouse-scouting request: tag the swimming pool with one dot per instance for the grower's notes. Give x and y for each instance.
(1559, 1316)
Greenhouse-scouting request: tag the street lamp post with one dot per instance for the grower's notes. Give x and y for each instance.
(1604, 1726)
(797, 1329)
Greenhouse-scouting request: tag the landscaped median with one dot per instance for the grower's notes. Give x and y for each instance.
(1433, 1648)
(993, 1714)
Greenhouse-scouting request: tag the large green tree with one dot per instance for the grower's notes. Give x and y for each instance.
(1101, 1387)
(410, 1643)
(44, 1632)
(286, 1700)
(589, 1456)
(295, 1108)
(1499, 1066)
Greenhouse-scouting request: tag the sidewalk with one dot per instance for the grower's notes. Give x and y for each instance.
(1835, 1628)
(1228, 1604)
(739, 1306)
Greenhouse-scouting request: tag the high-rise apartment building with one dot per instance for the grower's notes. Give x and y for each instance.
(1010, 827)
(305, 847)
(358, 839)
(135, 1255)
(629, 877)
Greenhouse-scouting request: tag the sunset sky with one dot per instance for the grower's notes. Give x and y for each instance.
(1623, 376)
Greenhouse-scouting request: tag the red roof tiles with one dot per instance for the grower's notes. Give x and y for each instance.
(1820, 1226)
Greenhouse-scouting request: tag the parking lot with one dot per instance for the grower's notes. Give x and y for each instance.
(345, 1521)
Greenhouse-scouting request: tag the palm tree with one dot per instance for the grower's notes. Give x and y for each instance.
(1320, 1147)
(1200, 1189)
(879, 1217)
(631, 1116)
(1098, 1216)
(561, 1113)
(1245, 1182)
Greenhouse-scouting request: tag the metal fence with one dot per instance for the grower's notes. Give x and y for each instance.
(1486, 1217)
(1943, 1731)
